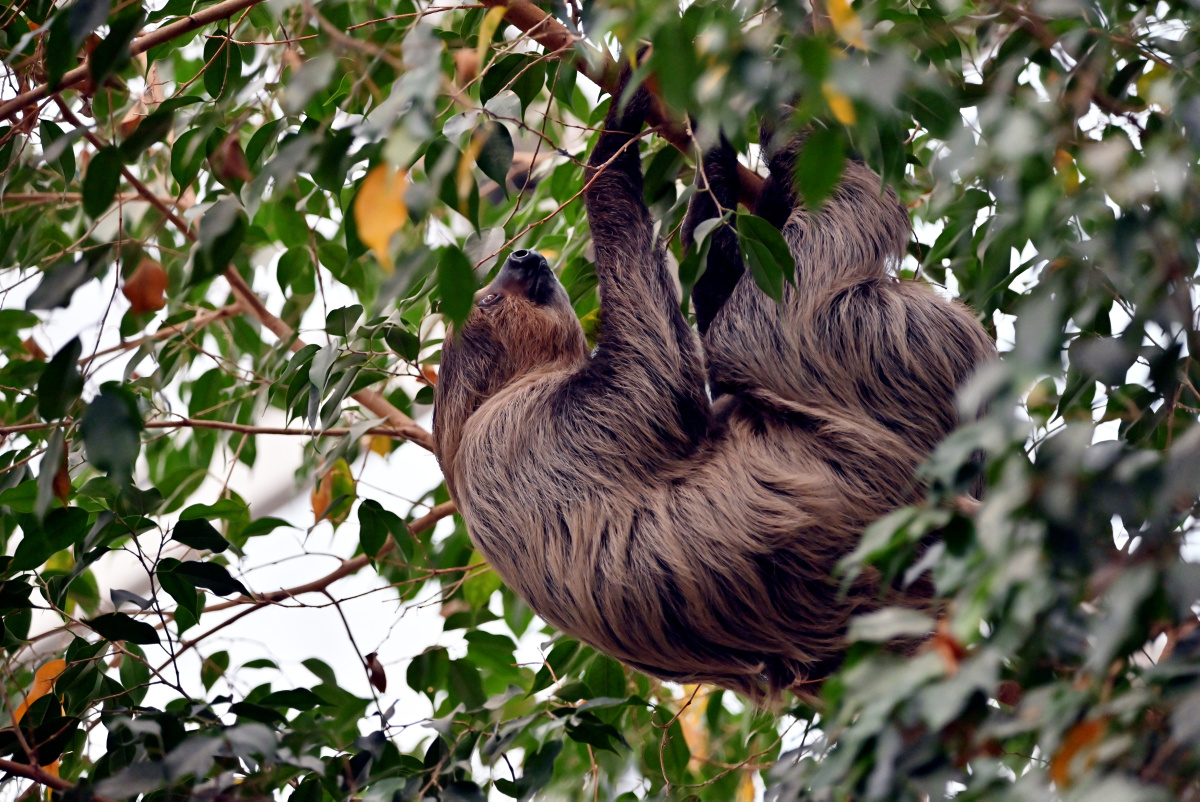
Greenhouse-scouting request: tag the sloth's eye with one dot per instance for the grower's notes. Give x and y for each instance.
(489, 299)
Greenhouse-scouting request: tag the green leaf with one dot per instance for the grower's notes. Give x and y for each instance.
(585, 728)
(500, 75)
(224, 60)
(403, 342)
(222, 230)
(113, 52)
(340, 322)
(536, 773)
(213, 668)
(199, 535)
(182, 590)
(153, 129)
(226, 509)
(61, 382)
(456, 284)
(295, 698)
(496, 156)
(59, 283)
(62, 528)
(101, 182)
(674, 749)
(375, 524)
(463, 791)
(135, 673)
(187, 157)
(766, 253)
(112, 430)
(465, 684)
(56, 146)
(819, 165)
(255, 712)
(120, 627)
(60, 48)
(84, 17)
(54, 456)
(605, 677)
(212, 576)
(320, 670)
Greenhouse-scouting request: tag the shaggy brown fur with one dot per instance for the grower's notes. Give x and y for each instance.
(695, 539)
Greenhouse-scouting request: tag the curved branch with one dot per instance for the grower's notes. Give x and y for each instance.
(348, 567)
(141, 44)
(560, 43)
(35, 773)
(371, 399)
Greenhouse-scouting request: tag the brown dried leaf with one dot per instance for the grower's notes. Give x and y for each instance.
(61, 484)
(146, 287)
(1081, 739)
(229, 161)
(376, 673)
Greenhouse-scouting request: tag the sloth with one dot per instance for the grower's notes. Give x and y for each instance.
(681, 503)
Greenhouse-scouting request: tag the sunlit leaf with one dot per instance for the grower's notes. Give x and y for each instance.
(380, 211)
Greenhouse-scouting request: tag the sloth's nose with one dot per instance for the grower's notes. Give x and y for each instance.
(527, 272)
(526, 259)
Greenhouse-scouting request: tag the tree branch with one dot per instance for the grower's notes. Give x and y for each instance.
(35, 773)
(348, 567)
(166, 33)
(194, 324)
(59, 197)
(371, 399)
(561, 43)
(243, 428)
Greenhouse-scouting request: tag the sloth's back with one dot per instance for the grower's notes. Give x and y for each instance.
(719, 568)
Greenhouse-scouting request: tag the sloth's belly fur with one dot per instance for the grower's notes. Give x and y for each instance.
(719, 570)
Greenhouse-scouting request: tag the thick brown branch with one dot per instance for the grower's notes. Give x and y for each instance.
(38, 775)
(166, 33)
(559, 42)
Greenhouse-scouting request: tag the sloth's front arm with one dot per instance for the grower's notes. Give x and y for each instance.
(646, 380)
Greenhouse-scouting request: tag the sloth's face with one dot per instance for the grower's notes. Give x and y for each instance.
(522, 322)
(527, 318)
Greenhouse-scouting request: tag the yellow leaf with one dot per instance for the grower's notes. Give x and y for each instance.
(379, 210)
(839, 104)
(1080, 743)
(334, 494)
(693, 724)
(487, 29)
(746, 791)
(1064, 165)
(43, 683)
(464, 175)
(381, 444)
(846, 23)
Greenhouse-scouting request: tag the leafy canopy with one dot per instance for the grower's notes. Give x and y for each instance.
(228, 174)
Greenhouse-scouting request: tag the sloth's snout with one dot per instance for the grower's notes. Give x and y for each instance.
(528, 273)
(526, 260)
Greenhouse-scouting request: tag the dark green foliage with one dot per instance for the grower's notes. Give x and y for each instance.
(1048, 156)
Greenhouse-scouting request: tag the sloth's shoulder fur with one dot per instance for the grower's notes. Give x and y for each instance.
(692, 536)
